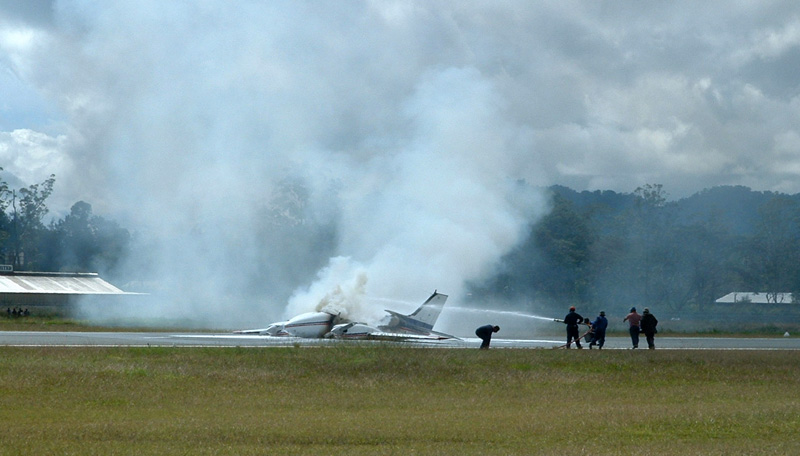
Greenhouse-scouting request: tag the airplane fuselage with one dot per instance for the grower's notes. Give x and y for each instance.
(310, 325)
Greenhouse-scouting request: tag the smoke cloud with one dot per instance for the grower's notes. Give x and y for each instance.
(271, 156)
(274, 153)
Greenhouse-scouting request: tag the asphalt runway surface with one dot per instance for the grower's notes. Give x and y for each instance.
(181, 339)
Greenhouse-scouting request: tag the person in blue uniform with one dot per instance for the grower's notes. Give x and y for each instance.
(599, 326)
(485, 333)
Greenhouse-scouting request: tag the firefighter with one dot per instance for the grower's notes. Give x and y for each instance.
(649, 323)
(599, 331)
(572, 320)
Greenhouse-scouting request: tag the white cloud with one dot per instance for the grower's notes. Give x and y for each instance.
(32, 156)
(773, 42)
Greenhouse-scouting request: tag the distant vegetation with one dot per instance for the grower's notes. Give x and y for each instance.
(598, 249)
(611, 250)
(79, 242)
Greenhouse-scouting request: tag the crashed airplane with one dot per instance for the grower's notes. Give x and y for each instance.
(417, 325)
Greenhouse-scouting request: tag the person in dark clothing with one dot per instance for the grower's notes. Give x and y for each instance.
(485, 333)
(649, 323)
(572, 320)
(599, 326)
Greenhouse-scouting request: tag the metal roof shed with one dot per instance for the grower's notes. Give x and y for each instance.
(52, 288)
(756, 298)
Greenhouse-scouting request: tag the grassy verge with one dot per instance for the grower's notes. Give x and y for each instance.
(59, 323)
(396, 400)
(42, 323)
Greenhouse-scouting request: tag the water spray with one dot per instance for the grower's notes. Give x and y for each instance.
(505, 312)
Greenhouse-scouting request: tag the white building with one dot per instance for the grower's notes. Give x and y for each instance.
(756, 298)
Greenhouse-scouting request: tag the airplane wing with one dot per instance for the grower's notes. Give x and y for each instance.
(258, 332)
(273, 329)
(362, 331)
(380, 335)
(442, 335)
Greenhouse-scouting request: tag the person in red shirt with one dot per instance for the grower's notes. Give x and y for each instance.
(633, 320)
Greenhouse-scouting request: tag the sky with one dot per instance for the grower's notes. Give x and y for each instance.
(410, 125)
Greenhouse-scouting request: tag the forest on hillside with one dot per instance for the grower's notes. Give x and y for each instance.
(598, 249)
(604, 249)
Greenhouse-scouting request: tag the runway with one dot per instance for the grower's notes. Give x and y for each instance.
(181, 339)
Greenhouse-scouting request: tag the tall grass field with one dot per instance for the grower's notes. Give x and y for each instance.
(389, 400)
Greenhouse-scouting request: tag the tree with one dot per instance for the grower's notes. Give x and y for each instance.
(565, 241)
(28, 211)
(652, 242)
(651, 196)
(776, 247)
(88, 243)
(5, 195)
(78, 244)
(112, 244)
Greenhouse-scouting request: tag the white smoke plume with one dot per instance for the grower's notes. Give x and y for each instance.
(440, 209)
(280, 157)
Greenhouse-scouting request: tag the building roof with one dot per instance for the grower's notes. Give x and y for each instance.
(756, 298)
(54, 283)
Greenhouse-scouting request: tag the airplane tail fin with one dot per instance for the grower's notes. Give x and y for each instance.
(422, 320)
